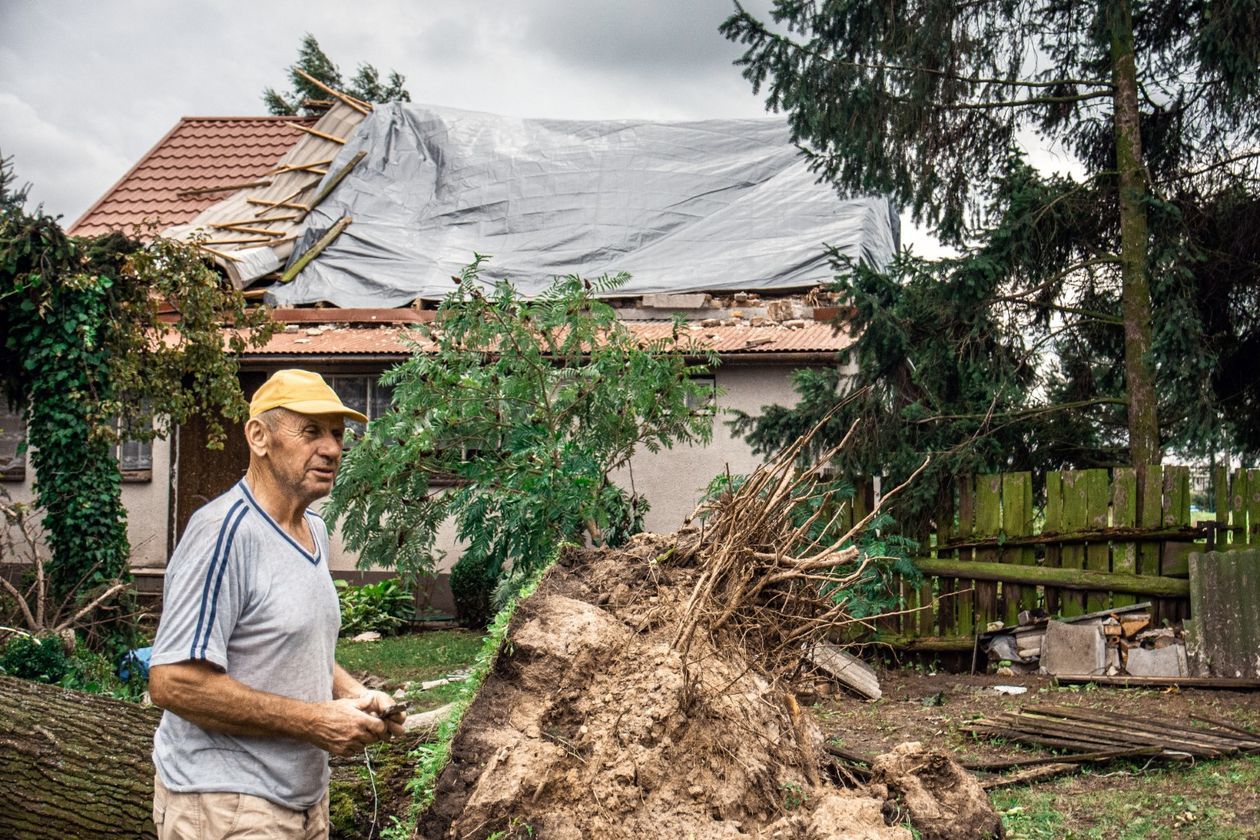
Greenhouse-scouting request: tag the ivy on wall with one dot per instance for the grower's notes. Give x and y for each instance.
(101, 337)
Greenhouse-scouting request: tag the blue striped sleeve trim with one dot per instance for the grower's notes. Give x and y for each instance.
(214, 578)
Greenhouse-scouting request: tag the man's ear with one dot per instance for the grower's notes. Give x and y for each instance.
(257, 436)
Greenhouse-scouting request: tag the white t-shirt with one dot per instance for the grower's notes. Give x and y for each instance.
(241, 594)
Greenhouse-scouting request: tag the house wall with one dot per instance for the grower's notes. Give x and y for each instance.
(146, 503)
(673, 480)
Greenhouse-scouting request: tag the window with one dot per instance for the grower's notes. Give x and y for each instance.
(12, 451)
(135, 458)
(364, 394)
(706, 402)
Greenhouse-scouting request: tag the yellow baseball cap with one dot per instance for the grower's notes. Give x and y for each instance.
(300, 391)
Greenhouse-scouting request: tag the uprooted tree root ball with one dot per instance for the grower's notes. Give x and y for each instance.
(591, 727)
(644, 693)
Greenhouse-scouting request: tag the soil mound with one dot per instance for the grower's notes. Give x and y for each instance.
(593, 725)
(646, 692)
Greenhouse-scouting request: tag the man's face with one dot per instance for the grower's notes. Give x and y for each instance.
(304, 451)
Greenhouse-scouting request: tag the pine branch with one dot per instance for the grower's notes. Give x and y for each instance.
(1010, 103)
(1217, 165)
(766, 35)
(1028, 412)
(1067, 310)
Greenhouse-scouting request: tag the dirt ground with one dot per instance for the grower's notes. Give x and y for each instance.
(1119, 800)
(929, 707)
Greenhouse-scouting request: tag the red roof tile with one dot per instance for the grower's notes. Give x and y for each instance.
(725, 339)
(198, 152)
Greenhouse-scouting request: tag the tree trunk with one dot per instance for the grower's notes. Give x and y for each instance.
(1134, 261)
(73, 764)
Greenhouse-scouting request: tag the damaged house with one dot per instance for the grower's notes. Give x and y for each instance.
(351, 225)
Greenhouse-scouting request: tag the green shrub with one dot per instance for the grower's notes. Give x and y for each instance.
(45, 660)
(474, 578)
(30, 658)
(383, 607)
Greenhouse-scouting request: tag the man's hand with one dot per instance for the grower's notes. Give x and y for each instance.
(380, 703)
(348, 725)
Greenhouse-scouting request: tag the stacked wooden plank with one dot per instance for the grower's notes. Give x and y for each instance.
(1095, 731)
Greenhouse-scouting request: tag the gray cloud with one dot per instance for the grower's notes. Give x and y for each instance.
(89, 87)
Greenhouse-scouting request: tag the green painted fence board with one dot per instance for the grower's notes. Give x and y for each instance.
(1253, 507)
(964, 609)
(1220, 489)
(1053, 524)
(1124, 515)
(1097, 554)
(1149, 514)
(1174, 558)
(1075, 517)
(1238, 506)
(988, 524)
(1017, 522)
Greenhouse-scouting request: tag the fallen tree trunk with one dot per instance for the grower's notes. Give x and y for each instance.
(74, 764)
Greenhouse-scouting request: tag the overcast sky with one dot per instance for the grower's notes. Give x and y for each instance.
(87, 87)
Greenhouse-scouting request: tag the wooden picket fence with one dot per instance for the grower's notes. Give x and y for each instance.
(994, 553)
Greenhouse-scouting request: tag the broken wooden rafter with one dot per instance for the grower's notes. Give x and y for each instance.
(314, 251)
(224, 188)
(266, 202)
(289, 217)
(848, 755)
(220, 254)
(299, 167)
(257, 231)
(288, 198)
(990, 765)
(357, 104)
(315, 132)
(1224, 724)
(250, 241)
(332, 182)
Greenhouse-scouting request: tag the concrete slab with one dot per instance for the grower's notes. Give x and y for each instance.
(1074, 649)
(1163, 662)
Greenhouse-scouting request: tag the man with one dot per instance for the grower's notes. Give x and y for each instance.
(243, 660)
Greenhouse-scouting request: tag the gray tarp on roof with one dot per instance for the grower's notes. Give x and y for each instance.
(682, 206)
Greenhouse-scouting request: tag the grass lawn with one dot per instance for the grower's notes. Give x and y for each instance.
(414, 658)
(1213, 800)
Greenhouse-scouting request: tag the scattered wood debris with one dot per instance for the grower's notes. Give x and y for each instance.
(1114, 642)
(845, 669)
(1092, 732)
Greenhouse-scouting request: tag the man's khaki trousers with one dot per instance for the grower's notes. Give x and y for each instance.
(233, 816)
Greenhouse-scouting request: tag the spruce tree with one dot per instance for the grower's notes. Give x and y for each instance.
(1072, 327)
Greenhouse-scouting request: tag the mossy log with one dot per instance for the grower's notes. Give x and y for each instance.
(1071, 578)
(74, 764)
